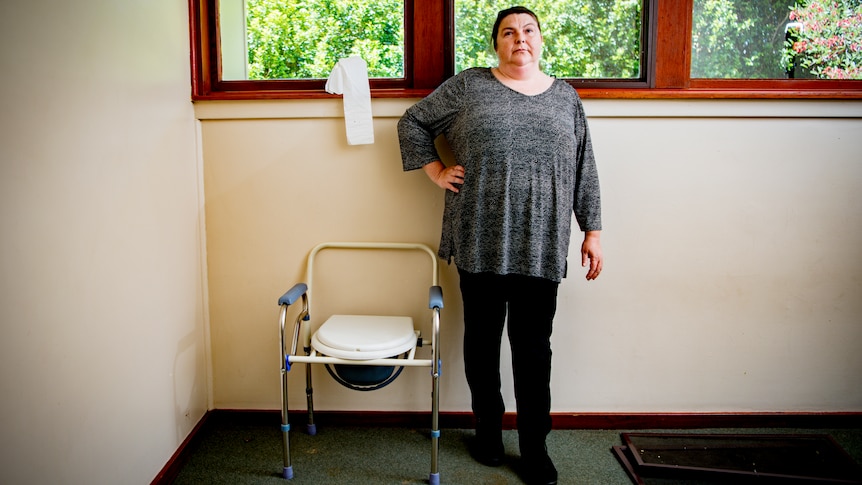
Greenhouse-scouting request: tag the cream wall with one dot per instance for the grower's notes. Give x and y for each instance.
(733, 279)
(102, 354)
(732, 236)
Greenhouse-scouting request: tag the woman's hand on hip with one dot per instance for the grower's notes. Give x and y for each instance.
(449, 178)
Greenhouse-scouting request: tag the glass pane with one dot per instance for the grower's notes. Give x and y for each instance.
(288, 39)
(583, 38)
(775, 39)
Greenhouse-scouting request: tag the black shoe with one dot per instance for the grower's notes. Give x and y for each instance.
(538, 469)
(488, 452)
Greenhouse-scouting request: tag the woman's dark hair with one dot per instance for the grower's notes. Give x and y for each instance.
(505, 13)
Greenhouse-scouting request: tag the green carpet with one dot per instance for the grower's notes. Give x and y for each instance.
(234, 450)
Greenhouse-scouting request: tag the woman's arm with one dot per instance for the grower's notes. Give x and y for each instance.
(423, 122)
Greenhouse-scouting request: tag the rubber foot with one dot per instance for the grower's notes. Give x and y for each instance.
(311, 429)
(287, 473)
(434, 479)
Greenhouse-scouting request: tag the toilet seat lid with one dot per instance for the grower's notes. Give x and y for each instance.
(364, 337)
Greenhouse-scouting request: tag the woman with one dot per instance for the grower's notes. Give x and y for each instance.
(523, 163)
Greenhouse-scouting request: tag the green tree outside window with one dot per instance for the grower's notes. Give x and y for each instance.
(775, 39)
(587, 39)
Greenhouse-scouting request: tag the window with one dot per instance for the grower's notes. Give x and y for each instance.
(606, 48)
(738, 40)
(289, 39)
(777, 39)
(586, 39)
(251, 49)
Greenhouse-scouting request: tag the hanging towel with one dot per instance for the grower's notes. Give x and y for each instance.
(350, 78)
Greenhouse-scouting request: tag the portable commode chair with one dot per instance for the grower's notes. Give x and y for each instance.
(361, 352)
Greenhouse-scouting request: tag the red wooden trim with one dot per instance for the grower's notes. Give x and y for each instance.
(800, 85)
(585, 92)
(720, 93)
(429, 49)
(429, 37)
(673, 37)
(198, 54)
(561, 421)
(172, 468)
(706, 420)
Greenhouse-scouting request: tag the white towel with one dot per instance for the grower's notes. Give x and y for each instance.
(350, 78)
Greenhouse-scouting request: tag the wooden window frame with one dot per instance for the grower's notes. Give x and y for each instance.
(431, 22)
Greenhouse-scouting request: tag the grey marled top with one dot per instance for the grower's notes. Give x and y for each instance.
(528, 164)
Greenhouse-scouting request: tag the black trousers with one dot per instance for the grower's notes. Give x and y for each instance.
(530, 304)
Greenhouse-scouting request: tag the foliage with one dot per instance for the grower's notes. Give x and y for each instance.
(747, 40)
(289, 39)
(738, 39)
(585, 39)
(827, 38)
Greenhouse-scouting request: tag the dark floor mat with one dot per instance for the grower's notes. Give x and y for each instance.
(669, 458)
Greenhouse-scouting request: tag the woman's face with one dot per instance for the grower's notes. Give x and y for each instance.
(519, 41)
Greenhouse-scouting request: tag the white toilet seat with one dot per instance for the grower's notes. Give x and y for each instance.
(364, 337)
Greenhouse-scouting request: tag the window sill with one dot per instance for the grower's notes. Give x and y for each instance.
(585, 92)
(712, 93)
(333, 108)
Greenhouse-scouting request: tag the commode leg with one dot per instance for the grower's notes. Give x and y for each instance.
(285, 428)
(311, 428)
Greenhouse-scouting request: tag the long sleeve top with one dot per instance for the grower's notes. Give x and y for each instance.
(528, 164)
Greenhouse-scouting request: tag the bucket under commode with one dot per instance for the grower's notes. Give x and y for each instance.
(364, 337)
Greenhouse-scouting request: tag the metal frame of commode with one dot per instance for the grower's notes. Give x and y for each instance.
(301, 291)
